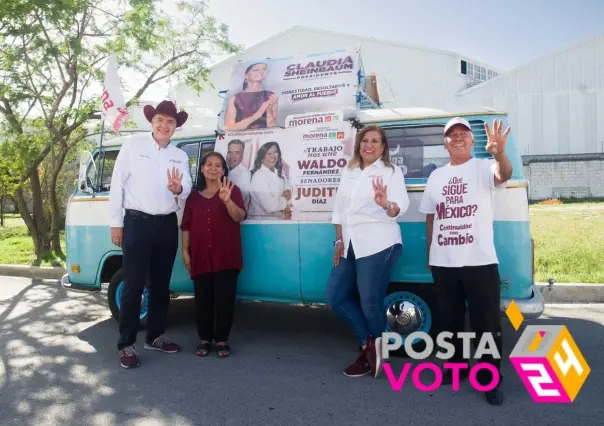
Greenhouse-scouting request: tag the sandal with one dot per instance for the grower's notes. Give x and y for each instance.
(224, 348)
(203, 349)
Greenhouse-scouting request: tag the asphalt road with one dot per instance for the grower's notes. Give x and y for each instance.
(59, 365)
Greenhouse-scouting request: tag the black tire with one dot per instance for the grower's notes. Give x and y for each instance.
(112, 297)
(427, 299)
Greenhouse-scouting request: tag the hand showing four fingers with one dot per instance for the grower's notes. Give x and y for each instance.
(380, 192)
(496, 139)
(226, 187)
(174, 180)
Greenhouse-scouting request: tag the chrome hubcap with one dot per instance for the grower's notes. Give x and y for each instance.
(404, 317)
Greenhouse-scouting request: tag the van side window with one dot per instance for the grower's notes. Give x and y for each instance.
(205, 148)
(192, 151)
(417, 150)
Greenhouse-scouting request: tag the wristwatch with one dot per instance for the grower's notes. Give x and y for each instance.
(388, 206)
(339, 240)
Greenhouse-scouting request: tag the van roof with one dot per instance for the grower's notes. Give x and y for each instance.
(366, 116)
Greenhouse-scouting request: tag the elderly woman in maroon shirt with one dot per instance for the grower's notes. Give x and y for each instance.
(211, 244)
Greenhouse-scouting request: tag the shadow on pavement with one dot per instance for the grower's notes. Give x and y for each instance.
(59, 364)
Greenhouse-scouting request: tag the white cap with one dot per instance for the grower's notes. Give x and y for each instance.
(457, 120)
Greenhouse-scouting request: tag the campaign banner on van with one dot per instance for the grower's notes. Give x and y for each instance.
(317, 155)
(263, 93)
(257, 165)
(288, 174)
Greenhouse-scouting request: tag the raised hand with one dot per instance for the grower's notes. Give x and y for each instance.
(174, 180)
(496, 139)
(225, 190)
(380, 192)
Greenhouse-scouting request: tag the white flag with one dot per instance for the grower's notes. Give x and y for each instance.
(114, 106)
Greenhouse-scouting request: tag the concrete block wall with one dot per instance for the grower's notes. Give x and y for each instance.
(564, 176)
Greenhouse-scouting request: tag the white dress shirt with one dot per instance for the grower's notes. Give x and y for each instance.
(266, 191)
(140, 178)
(364, 222)
(241, 177)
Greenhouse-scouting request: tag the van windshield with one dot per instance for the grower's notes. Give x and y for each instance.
(103, 165)
(417, 150)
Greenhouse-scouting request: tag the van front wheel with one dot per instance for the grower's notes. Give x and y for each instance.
(114, 298)
(411, 308)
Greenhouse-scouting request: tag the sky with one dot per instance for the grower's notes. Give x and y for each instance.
(504, 33)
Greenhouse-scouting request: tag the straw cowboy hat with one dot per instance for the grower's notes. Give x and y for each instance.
(168, 108)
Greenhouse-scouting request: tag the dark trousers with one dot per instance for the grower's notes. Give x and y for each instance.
(149, 245)
(479, 287)
(215, 304)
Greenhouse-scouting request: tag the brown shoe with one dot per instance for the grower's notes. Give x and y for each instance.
(162, 344)
(129, 357)
(359, 368)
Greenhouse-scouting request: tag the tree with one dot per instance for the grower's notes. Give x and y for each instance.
(8, 179)
(51, 69)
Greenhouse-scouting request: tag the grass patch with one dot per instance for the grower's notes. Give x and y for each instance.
(17, 247)
(568, 201)
(569, 245)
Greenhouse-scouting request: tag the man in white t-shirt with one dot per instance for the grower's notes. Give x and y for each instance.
(459, 204)
(238, 173)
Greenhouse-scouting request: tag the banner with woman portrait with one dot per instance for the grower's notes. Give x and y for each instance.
(264, 93)
(288, 174)
(257, 166)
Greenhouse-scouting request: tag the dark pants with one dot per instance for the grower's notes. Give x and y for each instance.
(149, 245)
(356, 291)
(215, 304)
(479, 287)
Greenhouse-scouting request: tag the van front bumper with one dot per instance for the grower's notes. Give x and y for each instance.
(68, 285)
(531, 308)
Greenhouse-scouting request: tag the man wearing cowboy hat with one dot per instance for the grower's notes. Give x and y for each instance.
(148, 177)
(459, 206)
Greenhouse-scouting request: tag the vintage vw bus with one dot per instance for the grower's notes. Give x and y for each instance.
(290, 261)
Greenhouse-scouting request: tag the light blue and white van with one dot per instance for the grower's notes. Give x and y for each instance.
(290, 261)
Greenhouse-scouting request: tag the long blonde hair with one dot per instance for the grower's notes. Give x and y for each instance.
(356, 159)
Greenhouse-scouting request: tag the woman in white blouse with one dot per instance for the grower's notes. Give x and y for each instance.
(270, 192)
(371, 196)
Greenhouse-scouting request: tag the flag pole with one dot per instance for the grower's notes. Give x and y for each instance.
(101, 155)
(113, 108)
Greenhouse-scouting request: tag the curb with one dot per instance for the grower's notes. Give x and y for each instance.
(571, 293)
(557, 293)
(35, 272)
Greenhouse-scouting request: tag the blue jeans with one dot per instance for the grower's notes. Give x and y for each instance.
(356, 290)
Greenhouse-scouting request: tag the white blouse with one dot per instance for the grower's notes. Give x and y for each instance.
(266, 194)
(364, 222)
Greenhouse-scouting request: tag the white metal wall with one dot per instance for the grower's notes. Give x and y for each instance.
(556, 104)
